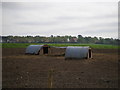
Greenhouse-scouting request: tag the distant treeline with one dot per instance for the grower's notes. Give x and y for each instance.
(59, 39)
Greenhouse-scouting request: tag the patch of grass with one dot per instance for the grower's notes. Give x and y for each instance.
(0, 45)
(24, 45)
(98, 46)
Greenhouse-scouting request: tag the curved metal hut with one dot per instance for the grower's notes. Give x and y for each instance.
(33, 49)
(75, 52)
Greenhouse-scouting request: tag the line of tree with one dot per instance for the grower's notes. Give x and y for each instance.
(58, 39)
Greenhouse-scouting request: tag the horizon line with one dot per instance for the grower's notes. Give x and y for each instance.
(60, 35)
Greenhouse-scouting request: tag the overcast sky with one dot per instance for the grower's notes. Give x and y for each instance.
(60, 18)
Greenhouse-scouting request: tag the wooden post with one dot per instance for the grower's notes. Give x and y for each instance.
(50, 78)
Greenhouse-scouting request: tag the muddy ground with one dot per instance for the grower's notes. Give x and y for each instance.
(53, 71)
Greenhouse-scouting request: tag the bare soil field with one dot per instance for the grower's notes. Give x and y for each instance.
(53, 71)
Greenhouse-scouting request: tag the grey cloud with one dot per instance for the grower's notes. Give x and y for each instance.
(97, 31)
(108, 24)
(105, 16)
(110, 16)
(10, 5)
(87, 30)
(67, 17)
(25, 5)
(0, 4)
(37, 23)
(103, 25)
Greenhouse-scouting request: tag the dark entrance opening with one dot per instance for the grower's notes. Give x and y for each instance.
(90, 53)
(45, 49)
